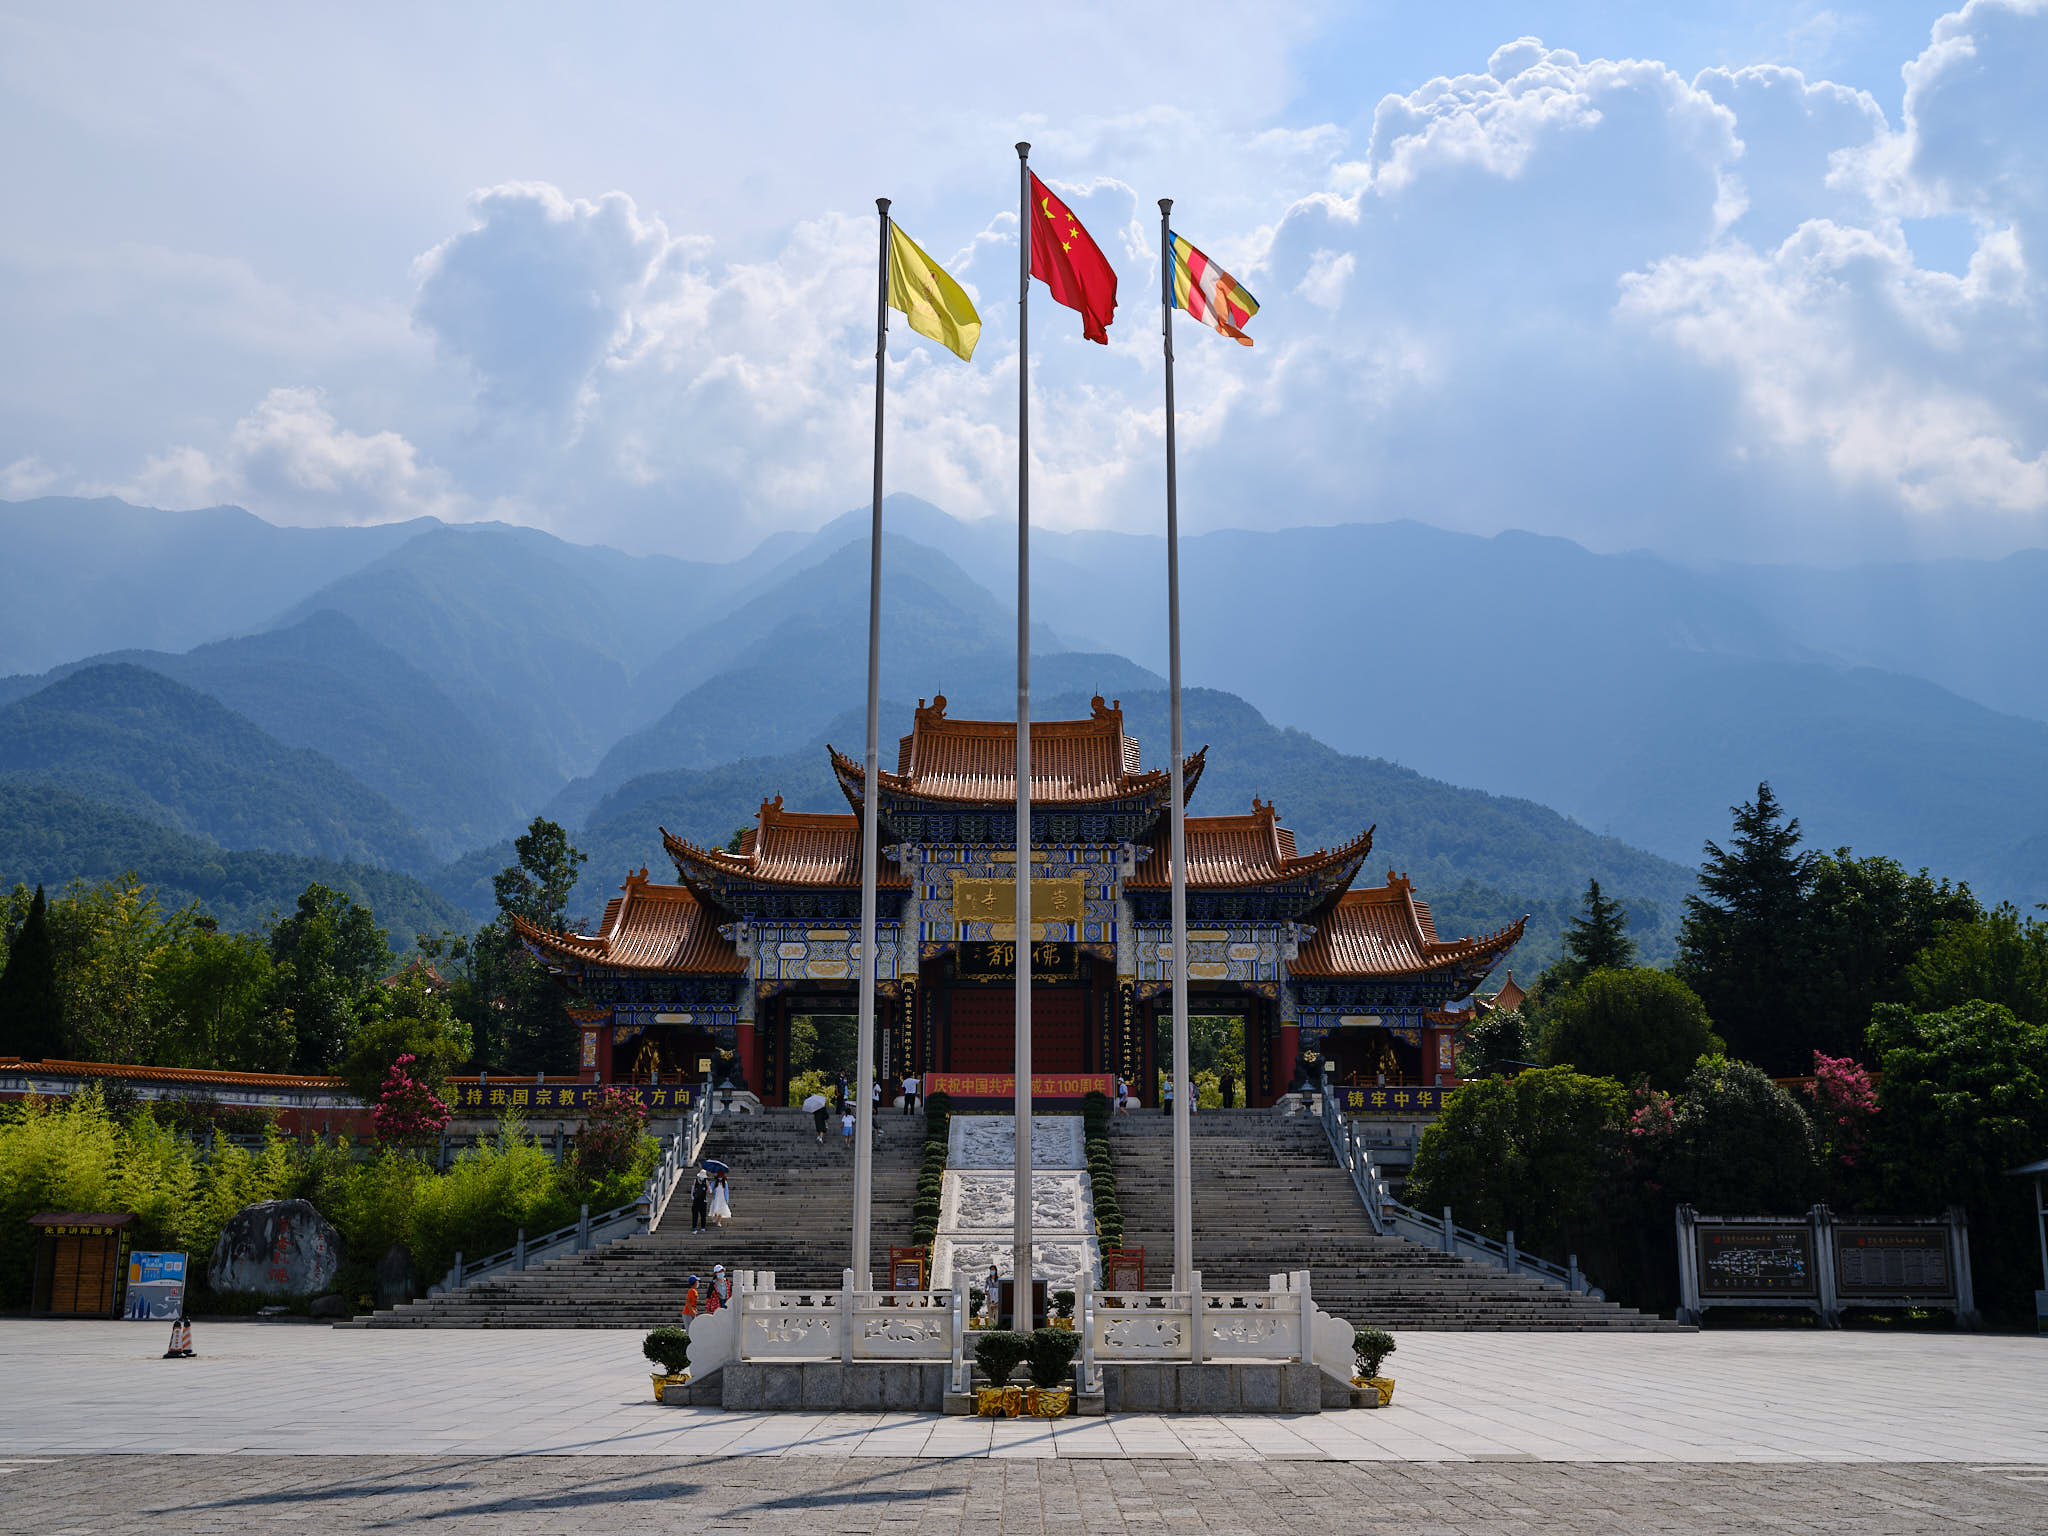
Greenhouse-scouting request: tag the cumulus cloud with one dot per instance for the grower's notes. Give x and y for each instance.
(1589, 296)
(292, 461)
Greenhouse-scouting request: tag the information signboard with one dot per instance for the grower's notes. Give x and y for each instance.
(1892, 1261)
(1052, 960)
(156, 1287)
(1756, 1261)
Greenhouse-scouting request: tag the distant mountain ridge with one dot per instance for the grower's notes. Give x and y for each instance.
(470, 675)
(50, 836)
(131, 737)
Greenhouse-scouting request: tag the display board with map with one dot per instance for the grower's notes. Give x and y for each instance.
(1750, 1261)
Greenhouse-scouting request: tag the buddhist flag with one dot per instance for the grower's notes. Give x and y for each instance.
(1069, 262)
(1209, 293)
(935, 305)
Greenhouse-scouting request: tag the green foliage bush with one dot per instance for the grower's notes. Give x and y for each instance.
(999, 1352)
(668, 1347)
(1051, 1353)
(1371, 1346)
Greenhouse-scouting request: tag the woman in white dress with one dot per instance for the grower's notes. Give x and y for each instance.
(721, 1200)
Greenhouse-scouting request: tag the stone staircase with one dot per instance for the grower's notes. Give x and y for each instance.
(792, 1213)
(1269, 1196)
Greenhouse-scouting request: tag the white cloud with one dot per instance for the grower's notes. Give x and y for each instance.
(291, 461)
(28, 476)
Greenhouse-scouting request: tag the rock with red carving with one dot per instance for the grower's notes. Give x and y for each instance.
(276, 1248)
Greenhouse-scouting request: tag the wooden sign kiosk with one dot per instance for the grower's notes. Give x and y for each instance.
(81, 1263)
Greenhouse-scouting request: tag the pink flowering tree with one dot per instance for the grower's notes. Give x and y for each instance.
(609, 1143)
(1842, 1099)
(408, 1111)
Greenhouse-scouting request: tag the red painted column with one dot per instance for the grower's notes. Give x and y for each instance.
(1286, 1054)
(602, 1072)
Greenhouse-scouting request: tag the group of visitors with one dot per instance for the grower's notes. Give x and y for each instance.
(710, 1199)
(700, 1299)
(837, 1104)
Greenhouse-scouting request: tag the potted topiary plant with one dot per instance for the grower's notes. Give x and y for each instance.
(998, 1352)
(1063, 1310)
(668, 1347)
(1052, 1352)
(1371, 1346)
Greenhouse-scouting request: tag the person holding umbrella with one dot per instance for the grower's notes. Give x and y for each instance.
(721, 1191)
(819, 1106)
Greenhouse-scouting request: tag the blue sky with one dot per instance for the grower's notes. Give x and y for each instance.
(1748, 281)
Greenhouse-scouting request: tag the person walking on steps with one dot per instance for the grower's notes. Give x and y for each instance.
(818, 1118)
(846, 1124)
(700, 1202)
(721, 1290)
(1123, 1095)
(910, 1087)
(721, 1200)
(693, 1300)
(1229, 1086)
(1166, 1098)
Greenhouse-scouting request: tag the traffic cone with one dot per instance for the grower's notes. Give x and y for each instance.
(181, 1341)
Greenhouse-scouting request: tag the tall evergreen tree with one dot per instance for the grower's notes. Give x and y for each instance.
(31, 1012)
(1741, 946)
(1598, 941)
(515, 1006)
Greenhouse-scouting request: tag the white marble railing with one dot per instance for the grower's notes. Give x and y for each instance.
(1196, 1326)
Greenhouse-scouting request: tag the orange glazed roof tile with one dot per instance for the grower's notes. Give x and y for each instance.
(1385, 931)
(807, 848)
(1226, 851)
(1073, 762)
(648, 928)
(196, 1076)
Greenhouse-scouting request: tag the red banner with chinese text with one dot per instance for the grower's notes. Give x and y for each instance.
(1003, 1085)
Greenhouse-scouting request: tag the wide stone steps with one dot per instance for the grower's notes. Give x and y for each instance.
(792, 1213)
(1269, 1196)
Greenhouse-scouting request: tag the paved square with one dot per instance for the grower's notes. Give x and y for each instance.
(557, 1430)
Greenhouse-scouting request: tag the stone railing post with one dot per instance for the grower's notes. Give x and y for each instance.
(1450, 1231)
(1198, 1318)
(519, 1250)
(1308, 1318)
(1511, 1250)
(846, 1317)
(583, 1229)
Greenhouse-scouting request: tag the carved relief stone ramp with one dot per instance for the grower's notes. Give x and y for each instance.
(977, 1201)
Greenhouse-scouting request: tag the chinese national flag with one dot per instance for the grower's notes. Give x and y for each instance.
(1069, 262)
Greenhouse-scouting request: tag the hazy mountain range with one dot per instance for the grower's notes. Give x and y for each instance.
(405, 697)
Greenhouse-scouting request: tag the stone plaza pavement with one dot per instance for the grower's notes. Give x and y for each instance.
(524, 1430)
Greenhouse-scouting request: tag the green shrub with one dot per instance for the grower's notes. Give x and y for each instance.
(1062, 1303)
(999, 1352)
(1051, 1353)
(1371, 1346)
(668, 1347)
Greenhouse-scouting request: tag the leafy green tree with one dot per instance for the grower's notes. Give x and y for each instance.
(1535, 1154)
(1866, 919)
(537, 887)
(1995, 957)
(31, 1009)
(1630, 1025)
(217, 992)
(329, 954)
(116, 939)
(1738, 945)
(1503, 1040)
(1963, 1096)
(514, 1005)
(410, 1019)
(1598, 940)
(1743, 1146)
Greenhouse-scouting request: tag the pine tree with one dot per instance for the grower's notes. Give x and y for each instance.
(1742, 944)
(1599, 940)
(31, 1011)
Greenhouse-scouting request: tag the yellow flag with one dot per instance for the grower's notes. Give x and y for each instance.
(936, 306)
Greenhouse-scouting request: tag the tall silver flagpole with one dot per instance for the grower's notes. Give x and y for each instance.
(1184, 1079)
(864, 1071)
(1021, 1190)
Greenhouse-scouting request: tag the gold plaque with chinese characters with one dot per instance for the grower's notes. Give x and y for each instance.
(995, 901)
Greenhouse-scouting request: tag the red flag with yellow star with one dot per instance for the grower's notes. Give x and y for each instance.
(1069, 262)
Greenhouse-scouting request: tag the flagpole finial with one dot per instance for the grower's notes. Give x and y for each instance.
(1023, 149)
(1166, 205)
(882, 206)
